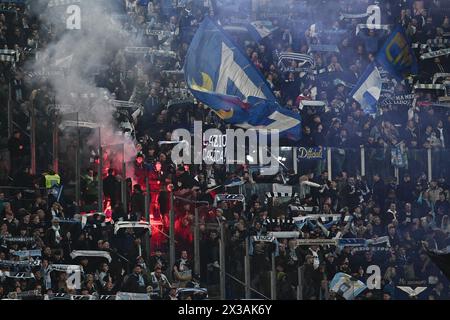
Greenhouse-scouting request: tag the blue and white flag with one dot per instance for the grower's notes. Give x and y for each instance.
(260, 29)
(221, 76)
(56, 191)
(368, 89)
(346, 286)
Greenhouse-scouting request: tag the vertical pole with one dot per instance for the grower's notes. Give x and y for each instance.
(100, 173)
(247, 270)
(396, 174)
(33, 135)
(196, 242)
(124, 182)
(147, 218)
(363, 161)
(10, 114)
(330, 174)
(172, 232)
(222, 262)
(55, 146)
(294, 158)
(273, 279)
(77, 169)
(430, 169)
(147, 200)
(300, 283)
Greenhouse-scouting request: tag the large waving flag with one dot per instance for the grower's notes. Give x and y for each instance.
(221, 76)
(397, 56)
(368, 89)
(346, 286)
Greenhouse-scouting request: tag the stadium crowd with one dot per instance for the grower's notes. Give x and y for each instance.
(409, 209)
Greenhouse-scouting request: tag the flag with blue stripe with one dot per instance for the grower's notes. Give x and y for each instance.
(222, 77)
(368, 89)
(56, 191)
(397, 56)
(346, 286)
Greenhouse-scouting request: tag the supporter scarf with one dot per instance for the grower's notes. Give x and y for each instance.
(434, 54)
(173, 72)
(372, 26)
(132, 296)
(7, 55)
(17, 275)
(57, 3)
(303, 58)
(19, 239)
(431, 43)
(57, 296)
(344, 16)
(430, 86)
(57, 234)
(316, 242)
(82, 297)
(70, 221)
(44, 74)
(159, 33)
(131, 224)
(27, 253)
(105, 297)
(440, 75)
(25, 294)
(91, 253)
(12, 263)
(73, 273)
(85, 216)
(64, 267)
(150, 51)
(373, 249)
(323, 48)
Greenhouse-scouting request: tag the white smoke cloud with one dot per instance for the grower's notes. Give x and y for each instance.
(82, 52)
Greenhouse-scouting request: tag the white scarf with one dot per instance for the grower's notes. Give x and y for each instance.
(57, 234)
(316, 262)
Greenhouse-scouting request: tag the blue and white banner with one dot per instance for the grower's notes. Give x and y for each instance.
(221, 76)
(397, 56)
(346, 286)
(368, 89)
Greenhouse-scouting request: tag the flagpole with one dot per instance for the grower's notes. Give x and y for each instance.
(172, 232)
(33, 133)
(100, 172)
(77, 168)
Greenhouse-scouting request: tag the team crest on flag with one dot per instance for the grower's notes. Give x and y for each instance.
(397, 56)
